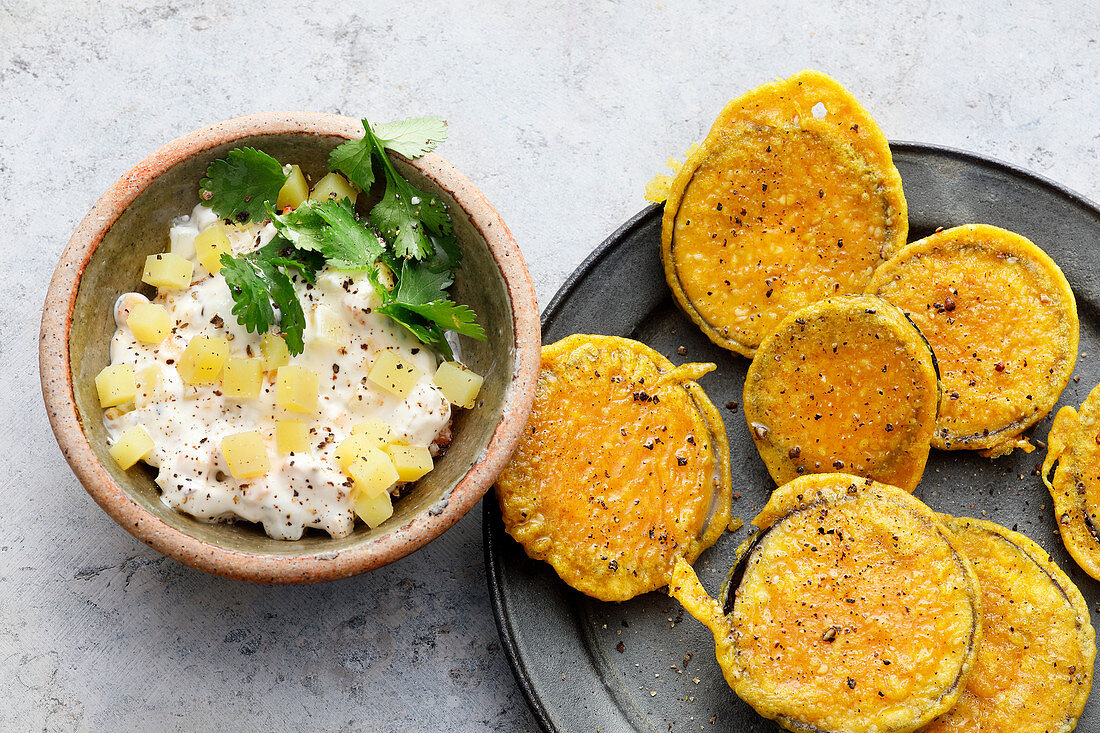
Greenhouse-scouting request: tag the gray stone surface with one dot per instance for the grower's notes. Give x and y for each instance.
(560, 112)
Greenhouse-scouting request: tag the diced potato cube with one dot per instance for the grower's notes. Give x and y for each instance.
(116, 385)
(330, 327)
(274, 351)
(242, 378)
(202, 361)
(167, 270)
(131, 447)
(296, 388)
(354, 447)
(333, 186)
(393, 374)
(458, 384)
(350, 449)
(294, 191)
(246, 454)
(411, 461)
(376, 430)
(149, 322)
(373, 472)
(374, 510)
(210, 244)
(291, 436)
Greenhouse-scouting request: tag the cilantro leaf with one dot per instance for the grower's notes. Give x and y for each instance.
(354, 159)
(307, 264)
(331, 229)
(251, 299)
(412, 137)
(241, 185)
(292, 320)
(428, 333)
(303, 228)
(448, 255)
(348, 245)
(420, 303)
(406, 215)
(256, 284)
(417, 284)
(451, 316)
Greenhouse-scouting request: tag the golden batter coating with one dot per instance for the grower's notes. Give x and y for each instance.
(792, 197)
(1002, 322)
(851, 611)
(1074, 444)
(846, 384)
(1034, 668)
(623, 467)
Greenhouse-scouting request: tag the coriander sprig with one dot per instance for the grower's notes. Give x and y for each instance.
(239, 185)
(420, 303)
(414, 242)
(259, 279)
(330, 229)
(406, 216)
(412, 138)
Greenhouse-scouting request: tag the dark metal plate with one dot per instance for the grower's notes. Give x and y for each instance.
(585, 665)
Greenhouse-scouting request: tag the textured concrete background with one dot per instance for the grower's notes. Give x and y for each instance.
(560, 112)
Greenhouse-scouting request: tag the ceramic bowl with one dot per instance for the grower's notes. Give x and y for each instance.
(104, 259)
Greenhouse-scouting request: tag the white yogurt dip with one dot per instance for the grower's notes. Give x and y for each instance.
(187, 422)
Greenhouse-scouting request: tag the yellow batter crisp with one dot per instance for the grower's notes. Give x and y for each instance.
(1034, 668)
(622, 469)
(846, 384)
(1074, 444)
(1002, 322)
(792, 197)
(852, 611)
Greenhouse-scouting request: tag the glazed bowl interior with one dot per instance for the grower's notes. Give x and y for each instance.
(115, 267)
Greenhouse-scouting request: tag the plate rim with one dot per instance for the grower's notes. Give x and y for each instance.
(489, 510)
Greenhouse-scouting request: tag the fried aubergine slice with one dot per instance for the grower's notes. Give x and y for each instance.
(846, 384)
(1002, 322)
(792, 197)
(1074, 445)
(623, 467)
(850, 611)
(1034, 668)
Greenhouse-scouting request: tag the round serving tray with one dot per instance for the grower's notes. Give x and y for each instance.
(643, 665)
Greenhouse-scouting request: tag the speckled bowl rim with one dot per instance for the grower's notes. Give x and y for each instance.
(57, 379)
